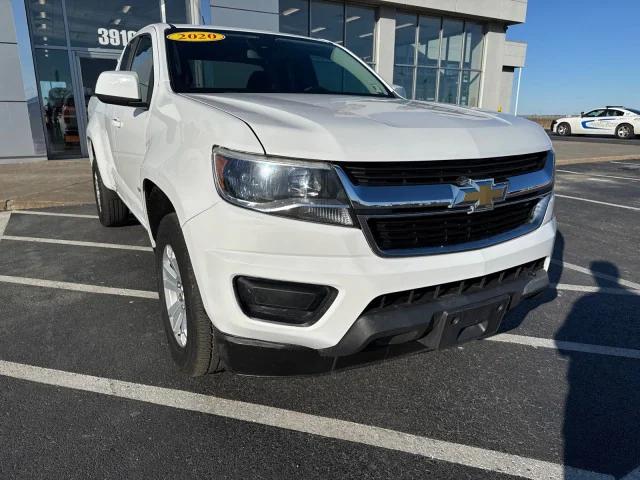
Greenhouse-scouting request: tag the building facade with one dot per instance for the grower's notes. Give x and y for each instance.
(52, 51)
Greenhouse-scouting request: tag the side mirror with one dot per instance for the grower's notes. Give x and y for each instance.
(400, 90)
(119, 88)
(582, 114)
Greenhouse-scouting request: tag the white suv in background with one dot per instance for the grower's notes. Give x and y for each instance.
(619, 121)
(304, 216)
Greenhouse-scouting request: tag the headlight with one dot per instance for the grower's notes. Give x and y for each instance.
(302, 190)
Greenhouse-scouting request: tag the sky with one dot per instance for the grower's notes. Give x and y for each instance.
(582, 54)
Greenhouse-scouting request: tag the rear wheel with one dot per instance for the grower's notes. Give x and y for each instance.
(624, 131)
(189, 331)
(564, 129)
(111, 210)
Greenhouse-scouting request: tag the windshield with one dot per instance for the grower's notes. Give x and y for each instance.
(634, 110)
(263, 63)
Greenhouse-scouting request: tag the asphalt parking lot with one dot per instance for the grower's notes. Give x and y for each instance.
(88, 390)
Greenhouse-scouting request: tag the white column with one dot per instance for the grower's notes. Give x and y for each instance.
(385, 42)
(492, 71)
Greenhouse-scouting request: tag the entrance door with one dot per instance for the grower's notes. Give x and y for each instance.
(88, 66)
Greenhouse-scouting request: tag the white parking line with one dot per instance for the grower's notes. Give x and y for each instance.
(578, 268)
(599, 203)
(603, 176)
(53, 214)
(636, 165)
(563, 345)
(78, 287)
(77, 243)
(489, 460)
(605, 291)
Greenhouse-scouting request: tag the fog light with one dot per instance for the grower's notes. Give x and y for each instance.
(299, 304)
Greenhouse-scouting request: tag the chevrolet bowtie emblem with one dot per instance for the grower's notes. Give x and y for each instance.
(479, 194)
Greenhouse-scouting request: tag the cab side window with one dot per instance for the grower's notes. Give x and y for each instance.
(142, 64)
(614, 113)
(596, 113)
(126, 56)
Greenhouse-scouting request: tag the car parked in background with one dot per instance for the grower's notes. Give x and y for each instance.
(619, 121)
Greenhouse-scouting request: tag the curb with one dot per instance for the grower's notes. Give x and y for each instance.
(9, 205)
(617, 158)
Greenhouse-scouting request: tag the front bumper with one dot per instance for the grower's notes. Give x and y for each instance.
(226, 241)
(388, 333)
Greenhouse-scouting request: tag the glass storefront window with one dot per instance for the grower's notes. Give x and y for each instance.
(449, 81)
(360, 29)
(470, 88)
(405, 39)
(100, 24)
(452, 36)
(445, 62)
(429, 41)
(327, 21)
(426, 82)
(46, 22)
(57, 102)
(403, 76)
(176, 11)
(474, 45)
(294, 17)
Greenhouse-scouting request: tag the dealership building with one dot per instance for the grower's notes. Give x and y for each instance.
(52, 51)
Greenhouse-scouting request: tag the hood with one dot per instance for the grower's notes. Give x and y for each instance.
(349, 128)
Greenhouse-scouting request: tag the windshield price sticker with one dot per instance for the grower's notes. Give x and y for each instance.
(196, 36)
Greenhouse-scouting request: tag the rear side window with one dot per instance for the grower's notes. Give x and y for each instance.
(614, 113)
(142, 64)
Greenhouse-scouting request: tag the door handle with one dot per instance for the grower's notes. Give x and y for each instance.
(116, 122)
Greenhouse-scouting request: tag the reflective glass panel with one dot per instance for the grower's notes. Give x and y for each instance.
(426, 79)
(361, 24)
(452, 35)
(448, 89)
(294, 17)
(56, 91)
(176, 11)
(470, 89)
(474, 42)
(405, 39)
(403, 76)
(429, 41)
(327, 21)
(46, 22)
(102, 24)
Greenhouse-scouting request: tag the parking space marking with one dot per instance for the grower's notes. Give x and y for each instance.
(578, 268)
(598, 202)
(607, 291)
(4, 220)
(552, 344)
(54, 214)
(603, 176)
(489, 460)
(77, 243)
(78, 287)
(629, 164)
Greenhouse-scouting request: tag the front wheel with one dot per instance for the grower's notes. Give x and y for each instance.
(112, 211)
(189, 331)
(564, 129)
(624, 131)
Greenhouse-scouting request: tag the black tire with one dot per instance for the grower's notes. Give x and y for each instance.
(111, 210)
(564, 129)
(200, 354)
(625, 131)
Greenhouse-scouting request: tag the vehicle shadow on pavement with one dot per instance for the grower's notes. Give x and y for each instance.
(602, 419)
(601, 415)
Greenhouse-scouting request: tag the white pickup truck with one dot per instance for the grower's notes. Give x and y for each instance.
(305, 217)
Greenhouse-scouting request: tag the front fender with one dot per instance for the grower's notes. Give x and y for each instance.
(98, 143)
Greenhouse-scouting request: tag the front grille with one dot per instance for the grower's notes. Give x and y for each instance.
(378, 174)
(447, 228)
(463, 287)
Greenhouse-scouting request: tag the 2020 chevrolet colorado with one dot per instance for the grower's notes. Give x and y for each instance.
(304, 216)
